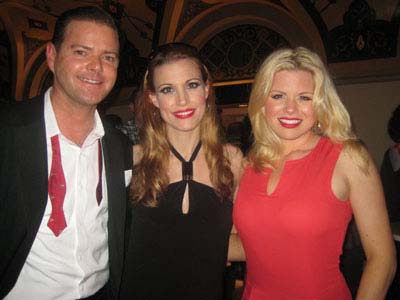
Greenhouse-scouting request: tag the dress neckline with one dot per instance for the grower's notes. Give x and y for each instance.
(309, 154)
(187, 166)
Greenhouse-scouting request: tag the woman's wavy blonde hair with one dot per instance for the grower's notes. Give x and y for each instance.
(150, 178)
(333, 120)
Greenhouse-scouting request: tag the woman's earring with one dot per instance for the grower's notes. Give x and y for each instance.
(318, 128)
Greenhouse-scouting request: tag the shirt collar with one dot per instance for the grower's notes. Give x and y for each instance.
(53, 129)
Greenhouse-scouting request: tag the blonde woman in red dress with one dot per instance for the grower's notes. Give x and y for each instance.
(307, 175)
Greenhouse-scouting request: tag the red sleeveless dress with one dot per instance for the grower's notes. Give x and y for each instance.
(293, 238)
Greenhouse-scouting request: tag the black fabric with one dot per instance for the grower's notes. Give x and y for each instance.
(173, 255)
(391, 187)
(187, 166)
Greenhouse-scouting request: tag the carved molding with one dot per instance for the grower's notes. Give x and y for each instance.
(191, 9)
(30, 46)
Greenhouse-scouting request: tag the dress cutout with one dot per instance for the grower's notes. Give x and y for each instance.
(177, 256)
(293, 237)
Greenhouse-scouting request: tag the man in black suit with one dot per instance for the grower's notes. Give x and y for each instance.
(64, 173)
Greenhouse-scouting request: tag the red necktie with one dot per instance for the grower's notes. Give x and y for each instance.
(57, 189)
(99, 188)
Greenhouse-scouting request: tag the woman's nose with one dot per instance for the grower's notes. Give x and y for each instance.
(291, 105)
(182, 97)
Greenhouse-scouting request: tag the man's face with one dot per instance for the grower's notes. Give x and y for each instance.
(85, 66)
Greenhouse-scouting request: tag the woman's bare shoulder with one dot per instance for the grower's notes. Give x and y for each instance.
(236, 160)
(137, 154)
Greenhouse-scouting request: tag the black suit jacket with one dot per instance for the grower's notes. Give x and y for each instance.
(23, 190)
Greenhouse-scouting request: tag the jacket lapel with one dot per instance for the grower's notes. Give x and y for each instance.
(32, 157)
(114, 161)
(26, 161)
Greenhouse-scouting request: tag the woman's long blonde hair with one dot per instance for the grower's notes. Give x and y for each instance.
(150, 178)
(333, 120)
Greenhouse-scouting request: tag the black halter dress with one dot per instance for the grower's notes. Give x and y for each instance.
(176, 255)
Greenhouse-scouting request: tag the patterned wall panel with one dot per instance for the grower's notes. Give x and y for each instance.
(362, 36)
(236, 53)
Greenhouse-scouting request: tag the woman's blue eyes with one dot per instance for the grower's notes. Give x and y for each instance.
(166, 90)
(191, 85)
(301, 97)
(305, 98)
(276, 96)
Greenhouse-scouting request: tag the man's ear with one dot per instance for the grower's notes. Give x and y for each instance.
(51, 54)
(153, 99)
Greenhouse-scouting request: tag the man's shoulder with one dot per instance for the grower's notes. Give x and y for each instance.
(116, 135)
(121, 137)
(118, 144)
(21, 111)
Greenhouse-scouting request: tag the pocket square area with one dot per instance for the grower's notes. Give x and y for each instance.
(128, 177)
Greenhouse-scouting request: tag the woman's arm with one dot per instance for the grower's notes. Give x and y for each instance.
(235, 250)
(235, 157)
(368, 205)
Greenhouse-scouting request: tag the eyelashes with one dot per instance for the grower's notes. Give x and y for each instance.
(171, 89)
(300, 97)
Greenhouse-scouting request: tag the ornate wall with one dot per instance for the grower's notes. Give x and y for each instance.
(358, 39)
(27, 31)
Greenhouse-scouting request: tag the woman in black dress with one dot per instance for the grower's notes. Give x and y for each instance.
(183, 184)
